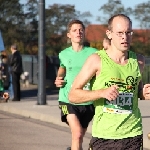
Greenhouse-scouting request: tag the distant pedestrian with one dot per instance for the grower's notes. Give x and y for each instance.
(16, 71)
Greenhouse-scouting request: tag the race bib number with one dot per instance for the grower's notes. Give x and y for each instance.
(122, 105)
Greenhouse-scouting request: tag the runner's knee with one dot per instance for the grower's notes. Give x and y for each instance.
(77, 135)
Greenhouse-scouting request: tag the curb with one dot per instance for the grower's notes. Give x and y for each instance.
(32, 114)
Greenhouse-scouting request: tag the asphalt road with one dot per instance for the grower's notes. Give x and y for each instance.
(21, 133)
(58, 137)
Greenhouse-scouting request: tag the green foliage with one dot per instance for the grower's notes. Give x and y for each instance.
(11, 20)
(57, 18)
(19, 24)
(141, 14)
(111, 8)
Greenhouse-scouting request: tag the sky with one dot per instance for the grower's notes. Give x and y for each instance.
(93, 6)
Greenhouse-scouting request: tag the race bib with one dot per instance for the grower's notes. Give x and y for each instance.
(122, 105)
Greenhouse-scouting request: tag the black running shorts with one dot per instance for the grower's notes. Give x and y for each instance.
(84, 113)
(131, 143)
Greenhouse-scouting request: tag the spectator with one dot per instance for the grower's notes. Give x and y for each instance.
(16, 71)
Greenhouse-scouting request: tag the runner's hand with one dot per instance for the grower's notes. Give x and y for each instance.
(111, 93)
(59, 81)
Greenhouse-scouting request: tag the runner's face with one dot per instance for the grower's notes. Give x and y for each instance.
(121, 34)
(76, 33)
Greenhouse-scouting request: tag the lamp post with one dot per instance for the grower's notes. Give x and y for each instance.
(41, 55)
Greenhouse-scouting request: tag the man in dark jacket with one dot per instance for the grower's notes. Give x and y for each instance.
(16, 71)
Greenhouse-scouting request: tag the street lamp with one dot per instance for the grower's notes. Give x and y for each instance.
(41, 55)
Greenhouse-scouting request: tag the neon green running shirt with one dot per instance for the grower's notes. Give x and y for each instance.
(120, 118)
(73, 62)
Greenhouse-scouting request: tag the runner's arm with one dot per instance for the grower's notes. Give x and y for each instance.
(59, 81)
(90, 69)
(61, 72)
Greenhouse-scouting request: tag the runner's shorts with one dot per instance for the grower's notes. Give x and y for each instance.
(84, 113)
(131, 143)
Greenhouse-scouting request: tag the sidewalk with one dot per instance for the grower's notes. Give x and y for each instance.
(50, 113)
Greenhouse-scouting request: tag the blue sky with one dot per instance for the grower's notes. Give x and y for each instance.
(93, 6)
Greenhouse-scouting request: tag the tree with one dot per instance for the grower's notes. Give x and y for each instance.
(84, 17)
(31, 21)
(141, 14)
(142, 37)
(11, 20)
(57, 18)
(21, 25)
(111, 8)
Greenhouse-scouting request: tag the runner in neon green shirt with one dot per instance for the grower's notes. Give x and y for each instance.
(77, 116)
(72, 61)
(116, 85)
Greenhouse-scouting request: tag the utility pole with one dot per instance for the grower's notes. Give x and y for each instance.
(41, 55)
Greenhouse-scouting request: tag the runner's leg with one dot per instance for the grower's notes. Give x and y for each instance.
(77, 132)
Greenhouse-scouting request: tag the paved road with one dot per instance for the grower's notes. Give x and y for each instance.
(21, 133)
(51, 113)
